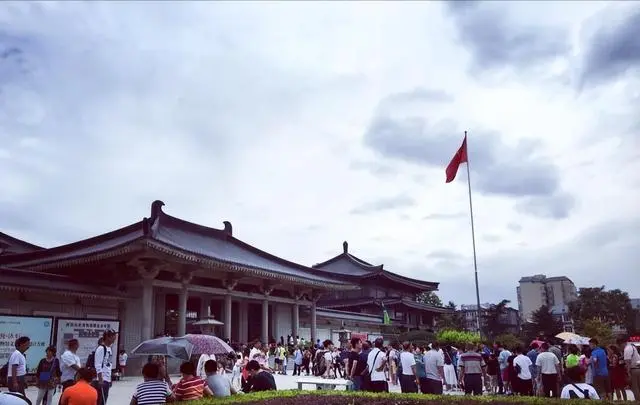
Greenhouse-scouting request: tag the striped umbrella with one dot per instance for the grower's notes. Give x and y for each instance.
(207, 344)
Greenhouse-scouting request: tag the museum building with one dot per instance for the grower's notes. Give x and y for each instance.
(161, 274)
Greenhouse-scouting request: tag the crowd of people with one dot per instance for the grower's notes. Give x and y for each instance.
(566, 371)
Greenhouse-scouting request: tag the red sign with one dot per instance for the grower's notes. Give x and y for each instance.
(635, 339)
(361, 336)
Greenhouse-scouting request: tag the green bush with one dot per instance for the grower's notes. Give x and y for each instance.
(362, 398)
(457, 337)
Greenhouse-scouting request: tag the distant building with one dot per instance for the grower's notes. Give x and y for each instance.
(554, 292)
(510, 318)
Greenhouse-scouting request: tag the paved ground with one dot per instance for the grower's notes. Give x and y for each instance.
(122, 390)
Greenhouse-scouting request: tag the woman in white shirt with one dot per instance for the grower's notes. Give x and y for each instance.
(575, 389)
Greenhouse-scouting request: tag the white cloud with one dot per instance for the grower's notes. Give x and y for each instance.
(256, 113)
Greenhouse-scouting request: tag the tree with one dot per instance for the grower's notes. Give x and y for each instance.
(595, 328)
(543, 323)
(429, 298)
(612, 307)
(451, 320)
(494, 323)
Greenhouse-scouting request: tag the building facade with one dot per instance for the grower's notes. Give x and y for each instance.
(161, 274)
(510, 318)
(554, 292)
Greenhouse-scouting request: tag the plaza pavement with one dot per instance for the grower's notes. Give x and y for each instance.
(121, 391)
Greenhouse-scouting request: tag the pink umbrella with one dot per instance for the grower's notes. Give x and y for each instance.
(207, 344)
(538, 342)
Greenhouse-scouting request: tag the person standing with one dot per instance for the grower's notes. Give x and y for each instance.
(69, 364)
(472, 369)
(17, 365)
(354, 366)
(297, 361)
(122, 362)
(103, 365)
(376, 362)
(47, 377)
(408, 379)
(548, 368)
(434, 370)
(503, 360)
(599, 361)
(522, 365)
(632, 365)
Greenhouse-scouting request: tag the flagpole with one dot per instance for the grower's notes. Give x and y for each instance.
(473, 239)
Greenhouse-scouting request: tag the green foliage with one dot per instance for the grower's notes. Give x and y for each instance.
(429, 298)
(494, 323)
(595, 328)
(543, 323)
(457, 337)
(327, 397)
(612, 307)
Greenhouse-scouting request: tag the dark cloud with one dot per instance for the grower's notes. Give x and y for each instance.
(557, 206)
(439, 216)
(384, 204)
(613, 48)
(496, 41)
(497, 168)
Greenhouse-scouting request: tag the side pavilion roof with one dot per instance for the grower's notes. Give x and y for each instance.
(349, 267)
(197, 244)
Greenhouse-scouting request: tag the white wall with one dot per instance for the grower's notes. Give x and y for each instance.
(283, 320)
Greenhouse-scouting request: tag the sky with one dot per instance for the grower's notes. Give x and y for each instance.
(306, 124)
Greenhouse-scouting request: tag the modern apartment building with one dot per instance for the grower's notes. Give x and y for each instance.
(510, 318)
(554, 292)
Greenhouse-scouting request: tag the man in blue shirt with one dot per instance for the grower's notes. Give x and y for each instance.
(601, 380)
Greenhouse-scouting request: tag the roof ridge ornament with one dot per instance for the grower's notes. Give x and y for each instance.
(345, 247)
(156, 210)
(228, 228)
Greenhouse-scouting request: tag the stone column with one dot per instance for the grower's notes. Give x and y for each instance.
(265, 320)
(227, 316)
(314, 322)
(243, 335)
(183, 296)
(148, 275)
(295, 321)
(205, 306)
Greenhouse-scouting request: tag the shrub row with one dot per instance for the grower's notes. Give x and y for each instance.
(361, 398)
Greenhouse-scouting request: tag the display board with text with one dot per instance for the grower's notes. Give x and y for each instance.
(37, 328)
(87, 331)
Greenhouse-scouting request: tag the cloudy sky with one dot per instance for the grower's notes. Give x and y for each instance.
(306, 124)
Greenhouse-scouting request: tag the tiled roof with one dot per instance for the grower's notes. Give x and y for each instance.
(349, 267)
(15, 245)
(355, 302)
(175, 236)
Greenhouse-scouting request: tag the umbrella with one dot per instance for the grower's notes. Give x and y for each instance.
(567, 336)
(536, 341)
(578, 340)
(165, 346)
(207, 344)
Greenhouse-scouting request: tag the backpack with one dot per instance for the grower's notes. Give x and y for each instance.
(319, 364)
(91, 360)
(573, 395)
(447, 358)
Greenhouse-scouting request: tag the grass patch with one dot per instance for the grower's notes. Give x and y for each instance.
(327, 397)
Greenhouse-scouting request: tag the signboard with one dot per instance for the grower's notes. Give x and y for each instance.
(634, 339)
(360, 335)
(36, 328)
(87, 331)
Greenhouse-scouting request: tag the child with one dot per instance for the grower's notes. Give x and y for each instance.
(122, 362)
(493, 368)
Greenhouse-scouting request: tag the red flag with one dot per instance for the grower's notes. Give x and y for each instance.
(458, 158)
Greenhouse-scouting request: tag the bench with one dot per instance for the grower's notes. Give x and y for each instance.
(325, 383)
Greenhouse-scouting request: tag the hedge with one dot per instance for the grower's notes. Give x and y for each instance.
(294, 397)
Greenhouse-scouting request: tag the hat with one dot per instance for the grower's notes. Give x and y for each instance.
(109, 332)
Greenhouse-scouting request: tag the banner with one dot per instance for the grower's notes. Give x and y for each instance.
(363, 336)
(38, 329)
(87, 331)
